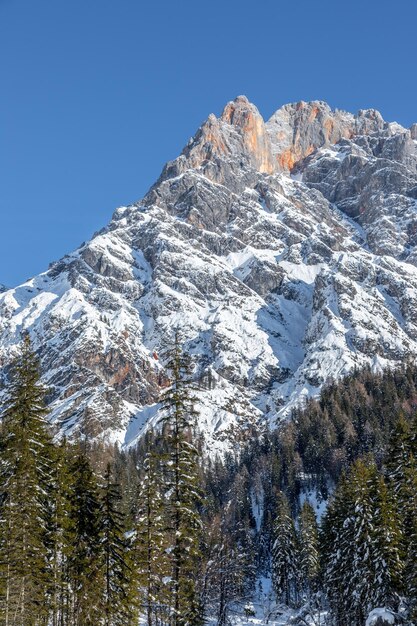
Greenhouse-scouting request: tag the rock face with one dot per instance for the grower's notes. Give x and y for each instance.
(285, 251)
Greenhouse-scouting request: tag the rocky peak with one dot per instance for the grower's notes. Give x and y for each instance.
(299, 129)
(247, 120)
(240, 137)
(368, 121)
(273, 284)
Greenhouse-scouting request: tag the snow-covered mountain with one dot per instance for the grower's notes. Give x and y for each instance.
(284, 250)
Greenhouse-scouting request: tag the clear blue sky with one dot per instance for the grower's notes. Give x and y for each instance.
(95, 95)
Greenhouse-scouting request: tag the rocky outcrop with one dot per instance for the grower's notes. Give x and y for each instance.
(284, 250)
(297, 130)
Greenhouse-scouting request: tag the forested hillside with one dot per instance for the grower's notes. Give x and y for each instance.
(314, 520)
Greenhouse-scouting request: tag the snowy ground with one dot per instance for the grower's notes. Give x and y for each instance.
(264, 610)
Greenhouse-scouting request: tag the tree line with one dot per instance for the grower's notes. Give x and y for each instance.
(94, 535)
(70, 553)
(363, 555)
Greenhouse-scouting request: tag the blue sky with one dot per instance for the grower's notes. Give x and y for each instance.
(95, 95)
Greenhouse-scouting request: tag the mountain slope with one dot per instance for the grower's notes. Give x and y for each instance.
(283, 250)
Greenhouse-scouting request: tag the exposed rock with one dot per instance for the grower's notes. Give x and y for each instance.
(285, 251)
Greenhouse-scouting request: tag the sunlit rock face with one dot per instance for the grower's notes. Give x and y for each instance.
(285, 252)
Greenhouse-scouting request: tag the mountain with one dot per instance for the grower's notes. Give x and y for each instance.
(285, 251)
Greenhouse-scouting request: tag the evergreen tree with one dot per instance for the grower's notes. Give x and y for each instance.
(25, 474)
(337, 551)
(284, 555)
(362, 566)
(183, 487)
(152, 542)
(386, 584)
(308, 548)
(398, 462)
(85, 570)
(224, 572)
(59, 546)
(401, 468)
(119, 601)
(411, 542)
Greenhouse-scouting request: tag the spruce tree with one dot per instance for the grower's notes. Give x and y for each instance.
(411, 543)
(85, 566)
(182, 486)
(59, 539)
(308, 548)
(337, 551)
(362, 519)
(284, 555)
(119, 601)
(25, 474)
(151, 557)
(401, 469)
(224, 572)
(360, 541)
(398, 463)
(386, 583)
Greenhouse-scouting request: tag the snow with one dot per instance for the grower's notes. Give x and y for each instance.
(257, 504)
(315, 500)
(380, 613)
(300, 271)
(280, 296)
(143, 420)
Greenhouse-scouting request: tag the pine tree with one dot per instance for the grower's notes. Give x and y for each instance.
(284, 555)
(183, 486)
(308, 548)
(152, 562)
(119, 604)
(24, 482)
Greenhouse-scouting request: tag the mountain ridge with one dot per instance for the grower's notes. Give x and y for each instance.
(283, 250)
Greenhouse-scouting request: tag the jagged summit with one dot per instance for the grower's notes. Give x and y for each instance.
(279, 144)
(284, 250)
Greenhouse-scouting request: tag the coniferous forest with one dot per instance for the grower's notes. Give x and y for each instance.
(323, 509)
